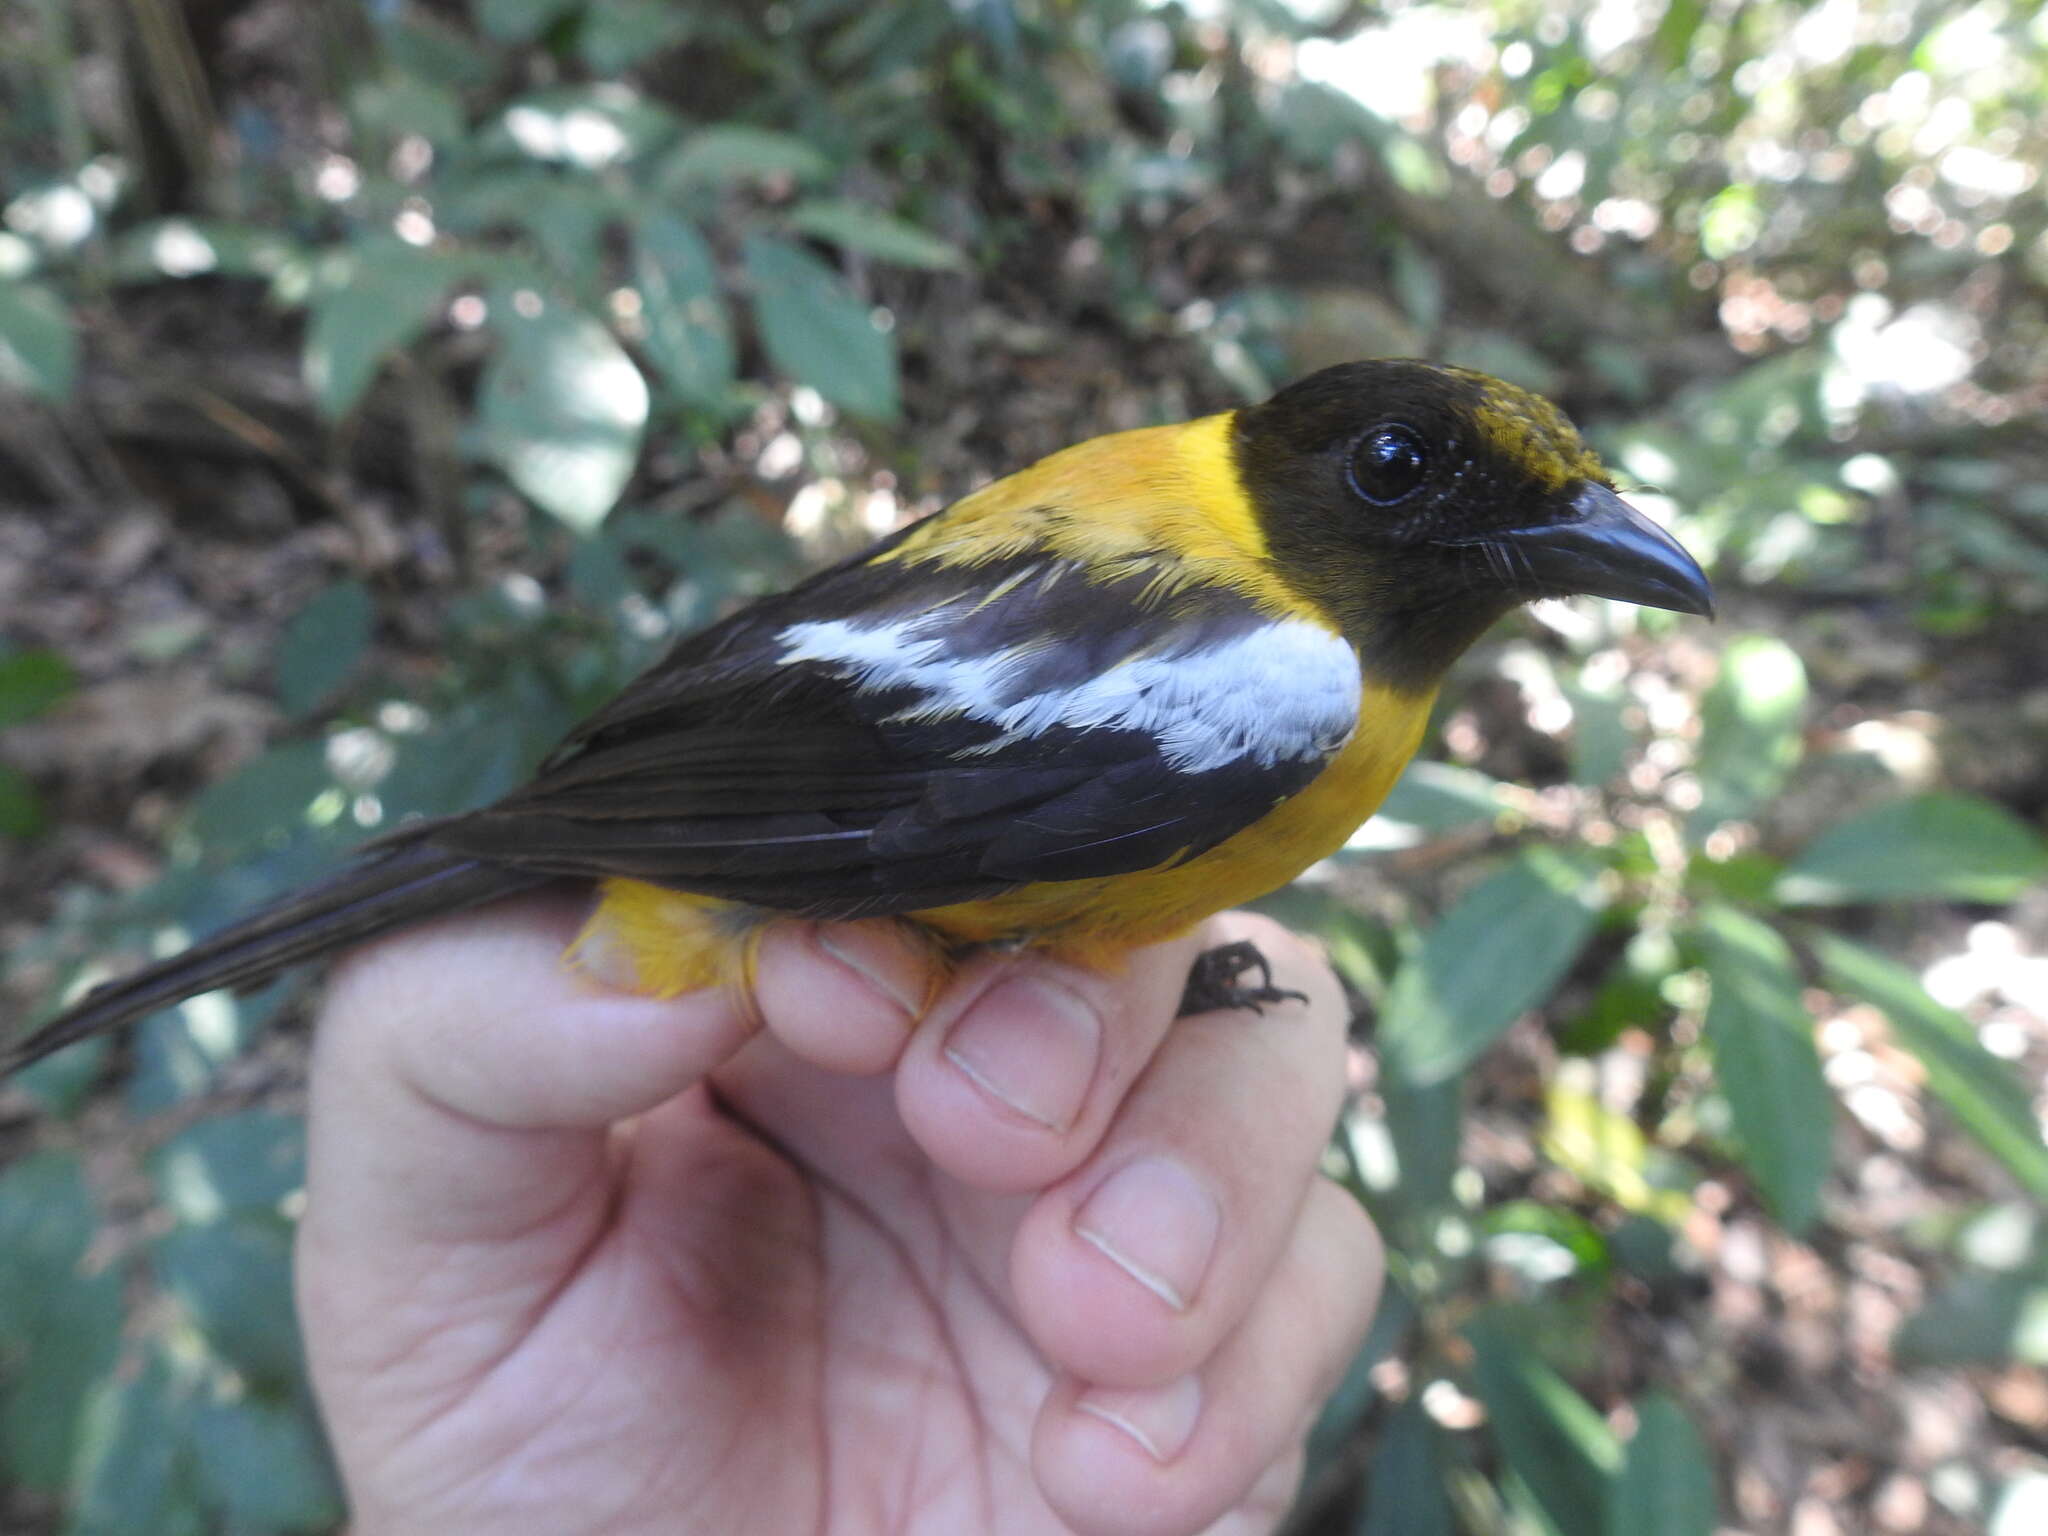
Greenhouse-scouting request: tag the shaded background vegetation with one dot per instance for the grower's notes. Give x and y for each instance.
(387, 382)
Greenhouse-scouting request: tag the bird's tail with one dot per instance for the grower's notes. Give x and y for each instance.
(386, 888)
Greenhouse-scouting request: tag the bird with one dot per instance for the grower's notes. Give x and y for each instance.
(1150, 677)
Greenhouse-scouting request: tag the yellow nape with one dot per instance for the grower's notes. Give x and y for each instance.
(662, 943)
(1162, 503)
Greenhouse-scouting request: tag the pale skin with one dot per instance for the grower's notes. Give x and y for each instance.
(1026, 1259)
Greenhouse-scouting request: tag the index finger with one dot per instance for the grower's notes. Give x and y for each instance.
(465, 1078)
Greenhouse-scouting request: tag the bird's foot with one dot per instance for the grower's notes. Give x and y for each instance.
(1215, 981)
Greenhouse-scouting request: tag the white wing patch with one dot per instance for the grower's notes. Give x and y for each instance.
(1284, 692)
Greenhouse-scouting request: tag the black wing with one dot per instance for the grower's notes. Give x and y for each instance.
(892, 736)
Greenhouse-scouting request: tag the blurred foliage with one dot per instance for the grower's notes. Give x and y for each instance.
(1789, 262)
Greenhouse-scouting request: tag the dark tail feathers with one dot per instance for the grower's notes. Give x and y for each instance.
(388, 888)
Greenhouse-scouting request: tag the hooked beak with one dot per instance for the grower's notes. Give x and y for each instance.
(1606, 548)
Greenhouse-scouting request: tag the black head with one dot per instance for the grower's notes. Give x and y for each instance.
(1418, 504)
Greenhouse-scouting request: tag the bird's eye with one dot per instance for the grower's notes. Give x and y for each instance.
(1388, 464)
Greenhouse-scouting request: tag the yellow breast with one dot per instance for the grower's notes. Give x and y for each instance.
(1093, 921)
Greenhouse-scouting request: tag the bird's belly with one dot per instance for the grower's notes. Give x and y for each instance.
(1093, 921)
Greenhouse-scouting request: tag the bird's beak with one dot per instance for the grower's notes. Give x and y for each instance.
(1605, 548)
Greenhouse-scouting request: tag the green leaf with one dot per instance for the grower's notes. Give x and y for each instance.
(1430, 800)
(265, 1466)
(562, 409)
(234, 1279)
(519, 21)
(1494, 956)
(1601, 739)
(1422, 1124)
(38, 347)
(396, 103)
(1548, 1435)
(717, 156)
(21, 807)
(1931, 847)
(1985, 1095)
(689, 334)
(1405, 1487)
(135, 1467)
(60, 1326)
(245, 1163)
(818, 332)
(857, 227)
(1979, 1318)
(31, 682)
(181, 247)
(323, 646)
(368, 304)
(1766, 1061)
(1667, 1483)
(619, 34)
(1749, 730)
(262, 801)
(589, 127)
(1607, 1152)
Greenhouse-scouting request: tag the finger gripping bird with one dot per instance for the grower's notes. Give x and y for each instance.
(1150, 677)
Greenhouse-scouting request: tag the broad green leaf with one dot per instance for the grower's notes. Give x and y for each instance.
(1405, 1488)
(1429, 800)
(264, 1466)
(38, 347)
(689, 334)
(519, 21)
(1666, 1486)
(622, 33)
(245, 1163)
(60, 1325)
(857, 227)
(1932, 847)
(1494, 956)
(262, 801)
(1979, 1318)
(181, 247)
(1548, 1435)
(30, 682)
(234, 1279)
(716, 156)
(1766, 1061)
(455, 766)
(1422, 1124)
(1607, 1152)
(135, 1473)
(1749, 730)
(817, 331)
(21, 807)
(1600, 736)
(441, 51)
(589, 127)
(1984, 1094)
(562, 410)
(396, 103)
(367, 305)
(323, 645)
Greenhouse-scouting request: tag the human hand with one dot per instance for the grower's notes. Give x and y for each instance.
(580, 1261)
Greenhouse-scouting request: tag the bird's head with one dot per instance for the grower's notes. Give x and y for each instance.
(1417, 504)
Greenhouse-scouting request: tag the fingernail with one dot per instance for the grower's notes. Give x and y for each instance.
(1156, 1222)
(1030, 1044)
(834, 945)
(1161, 1419)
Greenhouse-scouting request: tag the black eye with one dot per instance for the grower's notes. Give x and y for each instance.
(1388, 464)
